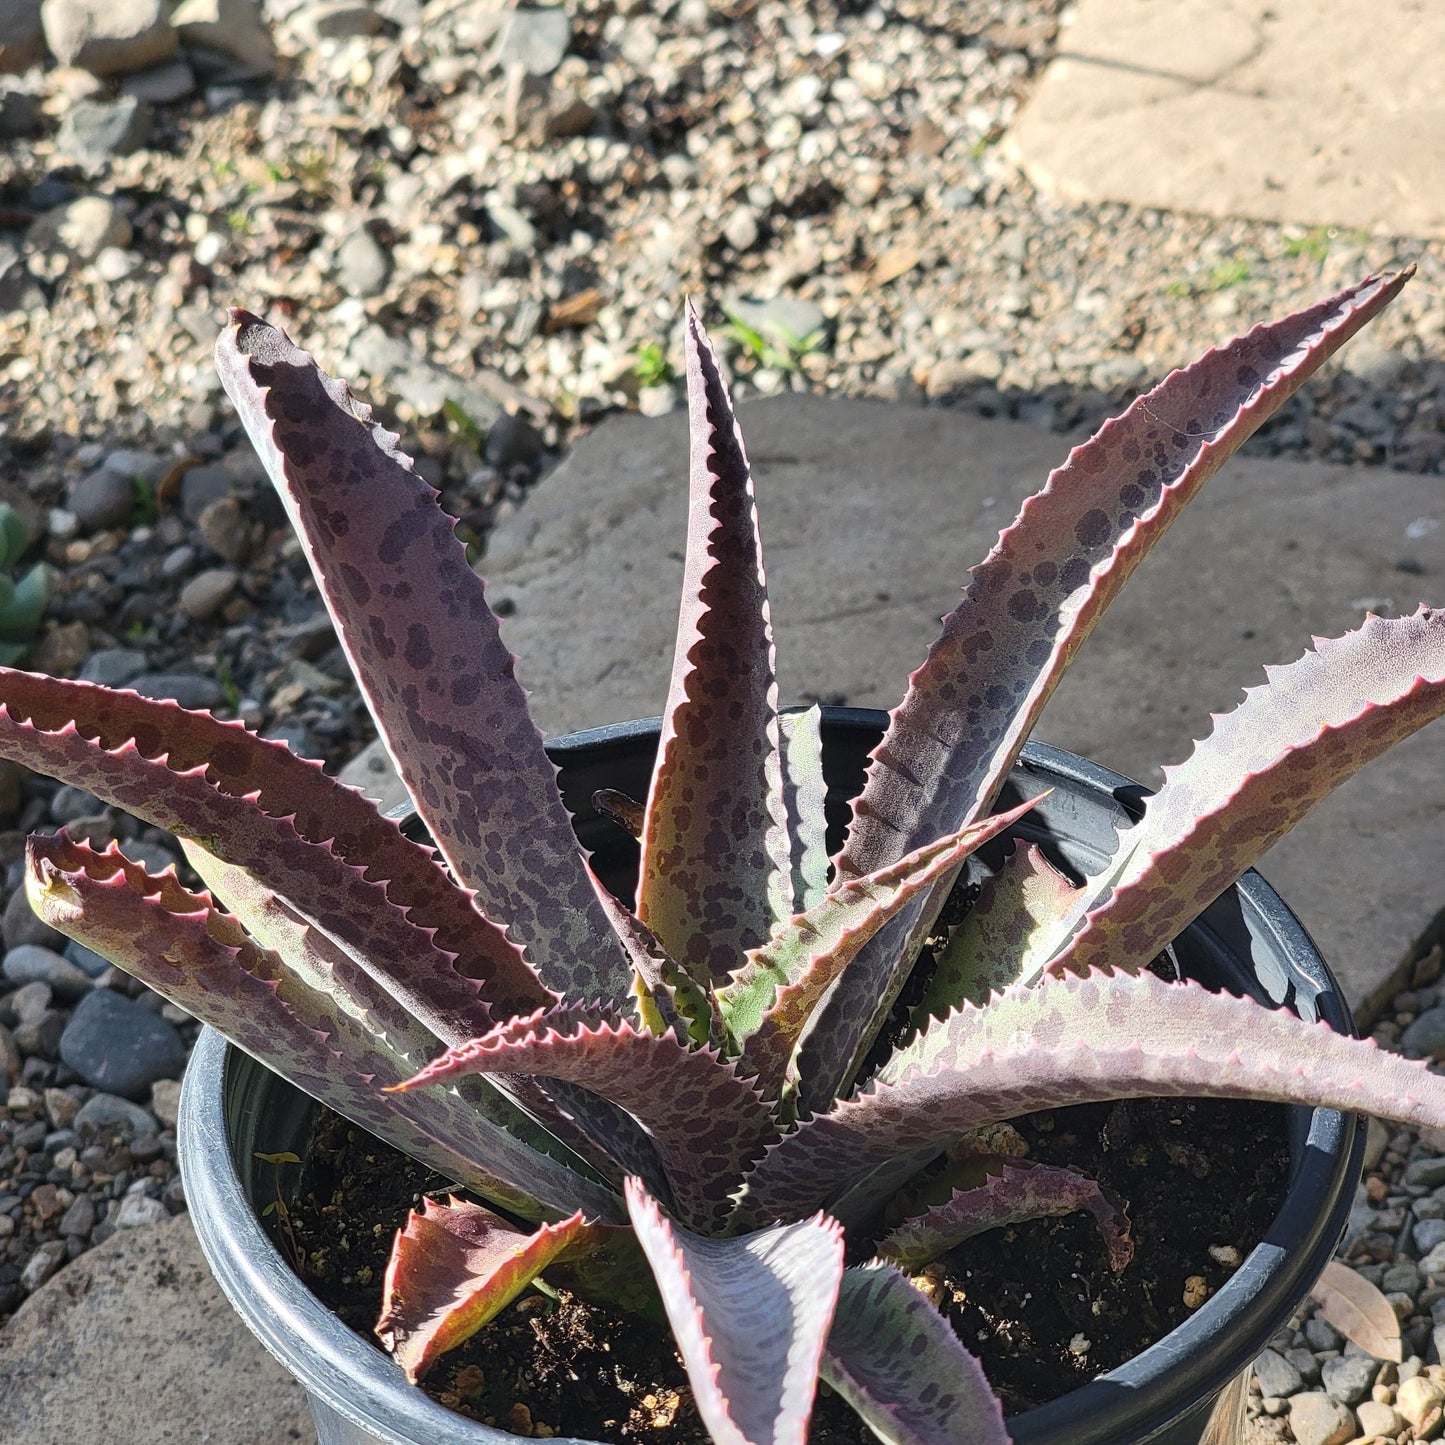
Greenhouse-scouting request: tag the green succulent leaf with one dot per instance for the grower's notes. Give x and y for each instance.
(177, 943)
(1010, 1191)
(455, 1266)
(715, 874)
(707, 1122)
(749, 1316)
(1080, 1041)
(1313, 725)
(20, 615)
(1027, 609)
(427, 653)
(769, 1001)
(805, 795)
(14, 535)
(898, 1363)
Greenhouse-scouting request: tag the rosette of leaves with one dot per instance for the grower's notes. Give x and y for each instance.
(659, 1100)
(22, 598)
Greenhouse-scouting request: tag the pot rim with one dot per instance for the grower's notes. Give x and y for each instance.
(1142, 1397)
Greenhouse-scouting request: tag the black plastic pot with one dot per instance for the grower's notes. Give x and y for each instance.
(1248, 942)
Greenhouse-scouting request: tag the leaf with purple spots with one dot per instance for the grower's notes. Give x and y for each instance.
(749, 1316)
(1007, 1191)
(898, 1363)
(427, 655)
(176, 943)
(716, 874)
(1291, 742)
(1081, 1041)
(1027, 609)
(805, 795)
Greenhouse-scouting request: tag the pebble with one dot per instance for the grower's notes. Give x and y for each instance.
(335, 20)
(1428, 1233)
(22, 36)
(109, 37)
(137, 1210)
(79, 1218)
(1425, 1038)
(30, 963)
(207, 592)
(161, 85)
(533, 39)
(1376, 1418)
(103, 499)
(83, 227)
(1417, 1397)
(1349, 1378)
(1276, 1375)
(1316, 1419)
(166, 1101)
(19, 925)
(113, 666)
(232, 29)
(108, 1111)
(41, 1265)
(115, 1044)
(188, 689)
(30, 1002)
(94, 130)
(362, 267)
(86, 959)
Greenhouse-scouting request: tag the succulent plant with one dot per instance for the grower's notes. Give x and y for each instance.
(679, 1079)
(23, 598)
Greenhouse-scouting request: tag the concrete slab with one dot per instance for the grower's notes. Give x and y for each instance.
(871, 516)
(133, 1343)
(1323, 112)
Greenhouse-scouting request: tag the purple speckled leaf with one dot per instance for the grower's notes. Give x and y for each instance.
(1011, 1191)
(805, 794)
(456, 1266)
(749, 1316)
(666, 997)
(427, 655)
(708, 1124)
(1080, 1041)
(280, 783)
(769, 1001)
(1027, 609)
(178, 944)
(1266, 764)
(898, 1363)
(332, 893)
(1016, 910)
(715, 874)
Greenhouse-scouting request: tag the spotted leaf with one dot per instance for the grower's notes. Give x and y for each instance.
(427, 655)
(805, 794)
(715, 873)
(749, 1316)
(1027, 609)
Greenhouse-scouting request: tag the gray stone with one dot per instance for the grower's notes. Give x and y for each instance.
(1304, 1361)
(1425, 1038)
(1316, 1419)
(1428, 1233)
(32, 964)
(61, 1107)
(1377, 1139)
(84, 227)
(86, 959)
(201, 486)
(1349, 1378)
(424, 388)
(1403, 1275)
(102, 500)
(227, 529)
(70, 804)
(102, 1112)
(335, 20)
(95, 130)
(232, 28)
(740, 229)
(1274, 549)
(536, 39)
(41, 1265)
(116, 1045)
(1429, 1173)
(10, 1060)
(30, 1002)
(1276, 1375)
(113, 666)
(141, 1318)
(108, 37)
(79, 1219)
(138, 1210)
(1155, 106)
(362, 267)
(19, 110)
(20, 925)
(514, 441)
(22, 36)
(161, 85)
(207, 592)
(189, 689)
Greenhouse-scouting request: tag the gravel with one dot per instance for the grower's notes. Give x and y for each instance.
(489, 219)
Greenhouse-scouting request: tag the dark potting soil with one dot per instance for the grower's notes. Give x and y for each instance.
(1036, 1302)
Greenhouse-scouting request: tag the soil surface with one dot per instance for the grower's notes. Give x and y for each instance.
(1036, 1302)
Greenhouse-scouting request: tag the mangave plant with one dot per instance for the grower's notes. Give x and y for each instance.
(661, 1101)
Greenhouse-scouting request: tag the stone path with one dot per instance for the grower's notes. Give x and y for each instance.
(871, 516)
(1322, 112)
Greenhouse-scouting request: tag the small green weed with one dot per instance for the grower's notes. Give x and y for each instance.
(779, 350)
(652, 366)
